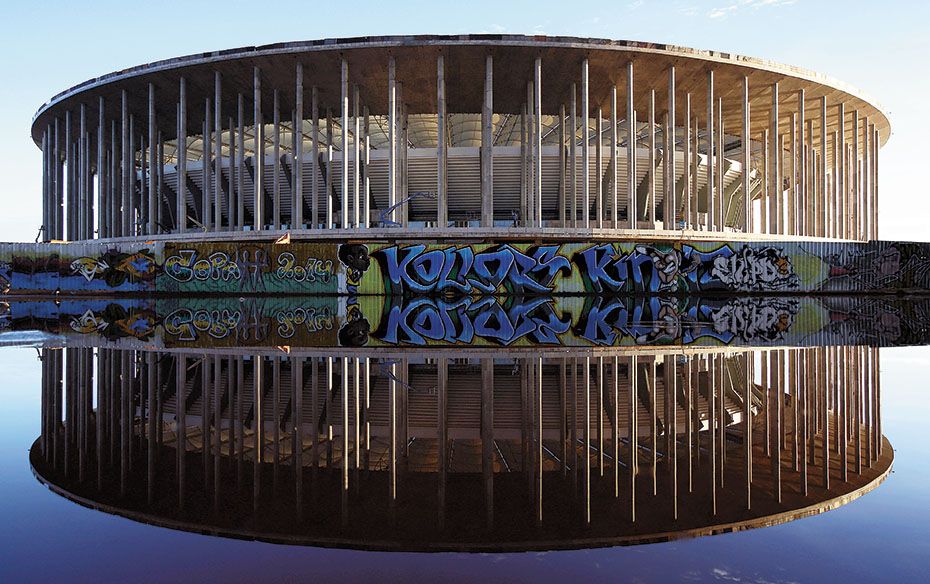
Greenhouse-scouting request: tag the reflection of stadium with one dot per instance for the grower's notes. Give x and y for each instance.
(431, 136)
(432, 452)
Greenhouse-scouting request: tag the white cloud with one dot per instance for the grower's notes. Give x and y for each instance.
(737, 5)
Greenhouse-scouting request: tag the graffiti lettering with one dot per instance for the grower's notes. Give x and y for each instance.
(185, 324)
(312, 270)
(422, 320)
(313, 319)
(414, 270)
(186, 266)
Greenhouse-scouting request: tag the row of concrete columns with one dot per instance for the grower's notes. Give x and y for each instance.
(792, 190)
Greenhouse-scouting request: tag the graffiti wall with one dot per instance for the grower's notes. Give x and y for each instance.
(459, 270)
(475, 322)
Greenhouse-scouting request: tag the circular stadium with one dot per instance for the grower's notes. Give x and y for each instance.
(443, 137)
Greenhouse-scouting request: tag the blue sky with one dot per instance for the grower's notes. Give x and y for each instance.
(879, 47)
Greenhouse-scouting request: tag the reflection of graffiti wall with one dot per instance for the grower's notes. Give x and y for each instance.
(538, 321)
(458, 270)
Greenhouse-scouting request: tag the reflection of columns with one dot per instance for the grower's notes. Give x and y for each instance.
(712, 428)
(538, 390)
(633, 433)
(779, 434)
(442, 432)
(600, 415)
(180, 395)
(671, 424)
(587, 420)
(689, 419)
(392, 423)
(296, 425)
(345, 413)
(487, 436)
(615, 430)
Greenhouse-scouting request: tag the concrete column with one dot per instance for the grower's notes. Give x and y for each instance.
(866, 181)
(258, 156)
(775, 154)
(276, 163)
(614, 187)
(686, 167)
(804, 197)
(366, 179)
(585, 146)
(46, 206)
(537, 146)
(82, 176)
(721, 195)
(314, 158)
(599, 168)
(181, 159)
(56, 182)
(218, 152)
(825, 223)
(328, 184)
(671, 202)
(240, 164)
(442, 212)
(392, 138)
(839, 162)
(573, 155)
(297, 205)
(524, 166)
(356, 157)
(231, 177)
(487, 146)
(746, 161)
(101, 171)
(563, 183)
(876, 142)
(631, 210)
(855, 207)
(651, 173)
(711, 159)
(207, 193)
(152, 210)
